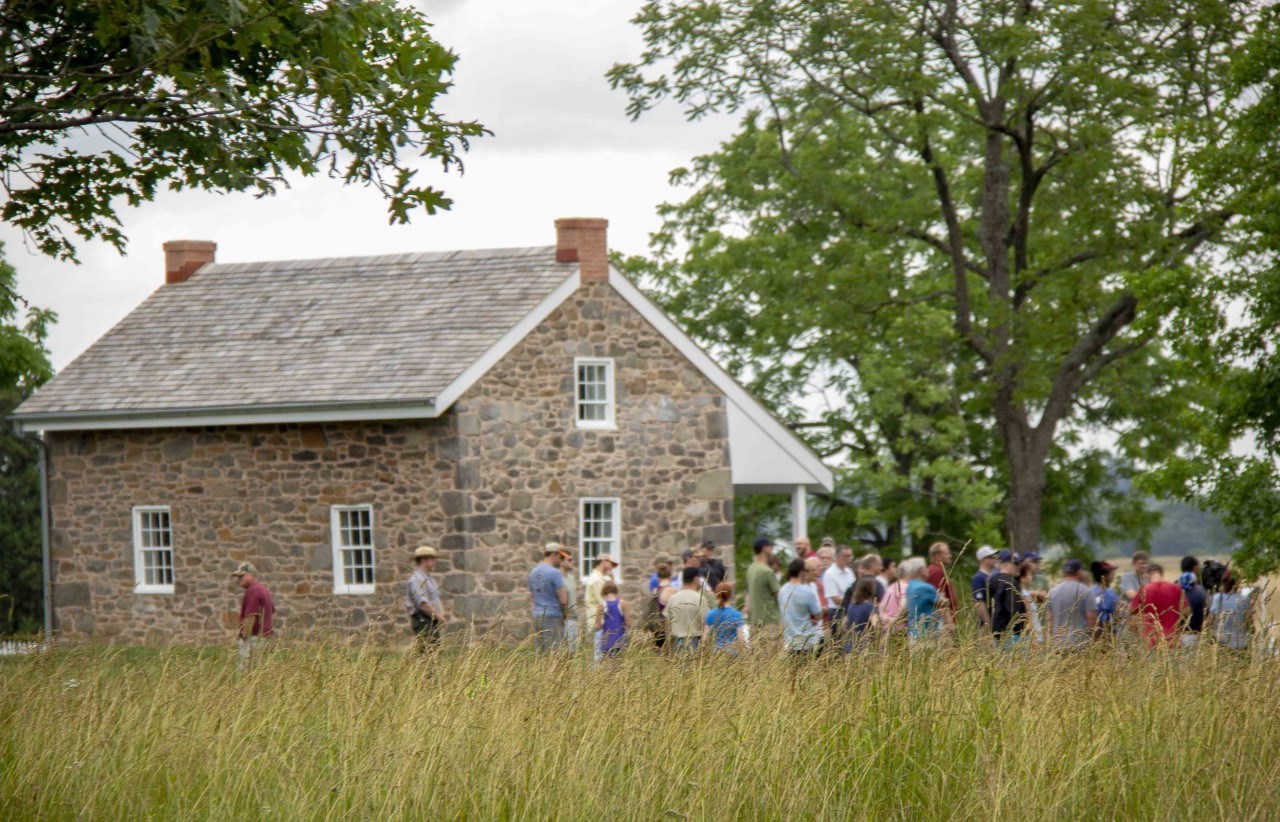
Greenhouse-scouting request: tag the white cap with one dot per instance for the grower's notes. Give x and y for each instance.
(986, 551)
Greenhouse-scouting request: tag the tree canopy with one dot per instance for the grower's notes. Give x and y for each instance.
(994, 233)
(104, 103)
(24, 366)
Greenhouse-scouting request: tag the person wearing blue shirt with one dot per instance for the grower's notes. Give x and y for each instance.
(801, 612)
(1231, 615)
(926, 607)
(1104, 594)
(978, 585)
(546, 587)
(724, 620)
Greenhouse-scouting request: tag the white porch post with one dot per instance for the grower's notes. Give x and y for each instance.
(799, 513)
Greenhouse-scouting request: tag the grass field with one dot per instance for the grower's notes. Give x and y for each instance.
(316, 733)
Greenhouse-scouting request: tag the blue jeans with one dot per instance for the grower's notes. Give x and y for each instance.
(547, 632)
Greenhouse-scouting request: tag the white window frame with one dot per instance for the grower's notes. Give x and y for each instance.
(615, 541)
(609, 402)
(340, 585)
(141, 586)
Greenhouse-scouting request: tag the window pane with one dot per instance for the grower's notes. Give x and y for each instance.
(355, 541)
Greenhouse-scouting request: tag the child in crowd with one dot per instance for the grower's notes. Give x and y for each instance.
(724, 620)
(612, 619)
(861, 623)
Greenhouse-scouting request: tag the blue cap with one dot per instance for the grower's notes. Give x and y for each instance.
(1072, 566)
(761, 542)
(1030, 556)
(1004, 556)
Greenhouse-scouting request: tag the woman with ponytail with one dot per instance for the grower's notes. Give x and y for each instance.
(724, 620)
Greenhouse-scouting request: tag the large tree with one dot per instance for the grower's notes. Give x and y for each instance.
(1236, 468)
(104, 103)
(24, 366)
(986, 227)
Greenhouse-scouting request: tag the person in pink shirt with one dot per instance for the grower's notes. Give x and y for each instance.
(256, 613)
(892, 615)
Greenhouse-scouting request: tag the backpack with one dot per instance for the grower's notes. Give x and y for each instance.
(653, 620)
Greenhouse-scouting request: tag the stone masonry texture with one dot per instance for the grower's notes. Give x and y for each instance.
(489, 482)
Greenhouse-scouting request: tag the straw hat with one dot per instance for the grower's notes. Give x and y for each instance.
(424, 551)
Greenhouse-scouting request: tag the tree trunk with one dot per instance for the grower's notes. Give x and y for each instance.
(1026, 451)
(1026, 501)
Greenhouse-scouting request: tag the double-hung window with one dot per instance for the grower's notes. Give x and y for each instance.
(593, 392)
(352, 527)
(152, 550)
(599, 531)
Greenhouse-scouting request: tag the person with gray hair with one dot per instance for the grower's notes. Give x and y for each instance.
(926, 606)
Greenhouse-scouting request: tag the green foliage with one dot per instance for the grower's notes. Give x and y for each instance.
(24, 366)
(986, 231)
(1234, 466)
(106, 102)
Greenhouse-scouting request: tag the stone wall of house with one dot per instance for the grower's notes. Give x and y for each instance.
(489, 482)
(526, 465)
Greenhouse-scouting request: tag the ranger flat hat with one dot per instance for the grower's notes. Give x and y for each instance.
(425, 551)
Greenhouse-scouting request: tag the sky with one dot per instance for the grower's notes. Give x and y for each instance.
(562, 146)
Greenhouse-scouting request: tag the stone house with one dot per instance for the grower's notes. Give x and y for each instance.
(321, 418)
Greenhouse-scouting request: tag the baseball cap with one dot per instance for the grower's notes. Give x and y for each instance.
(1005, 556)
(686, 553)
(986, 551)
(708, 545)
(1107, 566)
(761, 542)
(1030, 556)
(1072, 566)
(244, 568)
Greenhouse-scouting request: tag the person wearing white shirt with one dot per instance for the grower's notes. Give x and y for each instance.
(837, 579)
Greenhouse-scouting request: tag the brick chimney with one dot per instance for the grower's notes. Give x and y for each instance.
(583, 240)
(182, 258)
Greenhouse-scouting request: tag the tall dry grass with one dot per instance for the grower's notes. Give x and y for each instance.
(322, 733)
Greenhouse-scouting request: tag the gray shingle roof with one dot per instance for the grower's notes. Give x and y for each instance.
(358, 329)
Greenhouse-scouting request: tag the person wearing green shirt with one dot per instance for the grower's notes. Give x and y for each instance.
(762, 587)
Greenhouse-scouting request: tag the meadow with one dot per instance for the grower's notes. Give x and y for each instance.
(376, 733)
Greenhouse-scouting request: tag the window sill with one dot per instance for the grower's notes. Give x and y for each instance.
(153, 589)
(599, 426)
(354, 590)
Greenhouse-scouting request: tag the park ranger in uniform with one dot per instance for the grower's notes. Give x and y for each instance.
(422, 599)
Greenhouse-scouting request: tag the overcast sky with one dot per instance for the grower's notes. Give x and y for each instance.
(531, 71)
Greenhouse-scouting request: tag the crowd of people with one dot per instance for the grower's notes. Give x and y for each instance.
(826, 601)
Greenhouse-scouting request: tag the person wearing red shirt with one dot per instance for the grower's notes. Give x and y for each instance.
(256, 613)
(939, 558)
(1160, 609)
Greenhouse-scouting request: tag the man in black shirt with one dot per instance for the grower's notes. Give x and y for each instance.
(1197, 599)
(1004, 600)
(715, 569)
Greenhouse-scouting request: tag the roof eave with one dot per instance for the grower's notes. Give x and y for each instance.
(360, 411)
